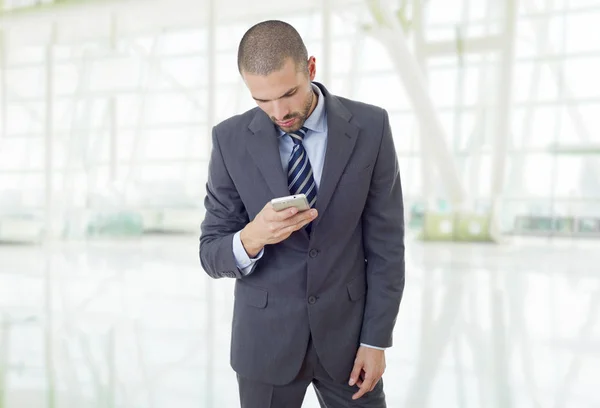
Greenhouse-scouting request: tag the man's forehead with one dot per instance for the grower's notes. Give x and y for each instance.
(267, 89)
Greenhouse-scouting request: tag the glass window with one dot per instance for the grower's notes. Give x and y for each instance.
(382, 90)
(178, 73)
(25, 54)
(411, 175)
(583, 31)
(25, 118)
(374, 57)
(184, 41)
(537, 175)
(444, 12)
(118, 73)
(581, 77)
(591, 121)
(173, 108)
(536, 127)
(442, 86)
(404, 131)
(535, 81)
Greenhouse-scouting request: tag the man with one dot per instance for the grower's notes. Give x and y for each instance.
(317, 292)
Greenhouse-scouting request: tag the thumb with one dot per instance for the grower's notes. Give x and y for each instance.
(358, 365)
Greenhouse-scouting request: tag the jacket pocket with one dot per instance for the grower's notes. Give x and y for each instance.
(251, 296)
(357, 288)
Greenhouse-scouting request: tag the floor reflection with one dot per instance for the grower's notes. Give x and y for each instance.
(138, 324)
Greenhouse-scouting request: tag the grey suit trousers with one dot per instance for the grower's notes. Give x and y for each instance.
(255, 394)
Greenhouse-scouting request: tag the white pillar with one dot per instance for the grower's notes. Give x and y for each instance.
(48, 135)
(4, 353)
(49, 333)
(505, 84)
(427, 176)
(112, 111)
(3, 84)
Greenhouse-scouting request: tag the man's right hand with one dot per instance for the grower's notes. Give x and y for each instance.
(271, 227)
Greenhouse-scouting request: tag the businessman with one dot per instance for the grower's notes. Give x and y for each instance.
(317, 292)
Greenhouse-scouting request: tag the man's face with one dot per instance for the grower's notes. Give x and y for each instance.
(286, 96)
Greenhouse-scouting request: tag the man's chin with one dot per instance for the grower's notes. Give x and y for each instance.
(290, 129)
(294, 128)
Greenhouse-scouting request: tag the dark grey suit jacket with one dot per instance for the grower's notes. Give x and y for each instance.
(343, 283)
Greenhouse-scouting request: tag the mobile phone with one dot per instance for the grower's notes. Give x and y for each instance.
(299, 201)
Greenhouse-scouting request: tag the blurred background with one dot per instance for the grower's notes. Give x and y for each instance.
(106, 110)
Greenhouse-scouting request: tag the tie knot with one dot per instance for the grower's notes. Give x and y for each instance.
(298, 135)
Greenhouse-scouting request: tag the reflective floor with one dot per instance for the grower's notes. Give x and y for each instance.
(138, 324)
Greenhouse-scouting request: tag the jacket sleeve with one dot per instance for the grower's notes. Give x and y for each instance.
(383, 240)
(225, 216)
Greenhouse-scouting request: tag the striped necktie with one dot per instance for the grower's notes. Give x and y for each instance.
(300, 173)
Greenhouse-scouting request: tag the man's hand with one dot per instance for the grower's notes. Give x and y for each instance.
(368, 370)
(272, 227)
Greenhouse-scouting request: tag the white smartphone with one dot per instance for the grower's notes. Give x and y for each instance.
(299, 201)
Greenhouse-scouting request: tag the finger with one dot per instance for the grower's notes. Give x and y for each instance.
(355, 374)
(304, 215)
(277, 216)
(291, 228)
(299, 220)
(375, 382)
(364, 388)
(361, 378)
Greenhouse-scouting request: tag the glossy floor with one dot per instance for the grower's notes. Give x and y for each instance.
(138, 324)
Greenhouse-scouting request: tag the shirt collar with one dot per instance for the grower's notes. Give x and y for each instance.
(316, 120)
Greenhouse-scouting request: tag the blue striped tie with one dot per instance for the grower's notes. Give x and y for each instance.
(300, 173)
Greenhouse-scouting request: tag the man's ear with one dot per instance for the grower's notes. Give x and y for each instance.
(312, 68)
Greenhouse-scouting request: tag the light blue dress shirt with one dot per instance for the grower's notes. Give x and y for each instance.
(315, 144)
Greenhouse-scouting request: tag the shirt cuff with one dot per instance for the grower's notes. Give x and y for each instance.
(244, 263)
(373, 347)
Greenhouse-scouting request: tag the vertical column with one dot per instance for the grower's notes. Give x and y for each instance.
(112, 111)
(562, 96)
(111, 357)
(48, 133)
(49, 334)
(505, 84)
(419, 46)
(4, 353)
(113, 146)
(3, 82)
(49, 219)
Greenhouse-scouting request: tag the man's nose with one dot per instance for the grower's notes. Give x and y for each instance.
(280, 110)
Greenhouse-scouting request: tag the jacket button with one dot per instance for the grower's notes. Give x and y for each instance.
(313, 253)
(312, 300)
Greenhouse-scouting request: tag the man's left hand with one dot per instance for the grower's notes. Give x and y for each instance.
(368, 370)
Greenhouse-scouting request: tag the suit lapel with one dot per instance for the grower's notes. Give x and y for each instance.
(264, 149)
(341, 139)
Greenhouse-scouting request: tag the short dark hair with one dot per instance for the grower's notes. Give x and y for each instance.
(266, 46)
